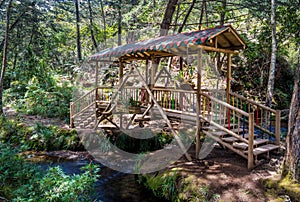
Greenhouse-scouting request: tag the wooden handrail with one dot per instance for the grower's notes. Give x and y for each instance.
(83, 96)
(226, 105)
(253, 102)
(174, 90)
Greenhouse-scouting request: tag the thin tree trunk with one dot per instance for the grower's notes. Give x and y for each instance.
(222, 20)
(79, 56)
(270, 87)
(104, 21)
(206, 15)
(166, 22)
(176, 18)
(186, 16)
(292, 157)
(91, 26)
(13, 25)
(4, 61)
(201, 15)
(119, 23)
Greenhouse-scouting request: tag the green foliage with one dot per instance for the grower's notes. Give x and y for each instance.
(278, 187)
(43, 96)
(172, 186)
(22, 181)
(38, 137)
(130, 144)
(163, 185)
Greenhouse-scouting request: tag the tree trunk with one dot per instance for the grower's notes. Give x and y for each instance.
(91, 26)
(79, 56)
(223, 12)
(119, 24)
(4, 61)
(176, 18)
(187, 16)
(292, 157)
(270, 87)
(201, 14)
(104, 22)
(166, 22)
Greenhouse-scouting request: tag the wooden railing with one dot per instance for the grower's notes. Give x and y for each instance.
(175, 99)
(213, 107)
(266, 120)
(233, 121)
(214, 111)
(88, 100)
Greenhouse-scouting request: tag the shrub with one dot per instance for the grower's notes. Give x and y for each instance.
(23, 181)
(38, 137)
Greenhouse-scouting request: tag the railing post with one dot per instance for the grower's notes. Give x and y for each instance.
(71, 115)
(96, 98)
(250, 141)
(277, 127)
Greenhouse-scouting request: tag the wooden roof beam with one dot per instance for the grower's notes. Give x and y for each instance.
(209, 48)
(238, 38)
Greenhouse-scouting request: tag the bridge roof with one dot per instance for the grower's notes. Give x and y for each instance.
(213, 39)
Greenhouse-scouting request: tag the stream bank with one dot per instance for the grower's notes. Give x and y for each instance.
(111, 186)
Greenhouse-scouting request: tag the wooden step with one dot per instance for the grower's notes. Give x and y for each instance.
(243, 145)
(233, 139)
(107, 127)
(230, 139)
(221, 133)
(139, 119)
(263, 149)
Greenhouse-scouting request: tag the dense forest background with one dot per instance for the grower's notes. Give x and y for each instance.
(48, 40)
(43, 43)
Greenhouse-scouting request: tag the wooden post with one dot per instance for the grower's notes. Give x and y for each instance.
(277, 127)
(71, 115)
(121, 71)
(97, 75)
(147, 71)
(228, 78)
(198, 106)
(228, 89)
(250, 141)
(96, 91)
(152, 81)
(147, 80)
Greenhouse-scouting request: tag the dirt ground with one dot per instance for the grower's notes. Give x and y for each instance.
(227, 175)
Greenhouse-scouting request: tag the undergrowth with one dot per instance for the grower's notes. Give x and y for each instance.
(23, 181)
(37, 137)
(172, 186)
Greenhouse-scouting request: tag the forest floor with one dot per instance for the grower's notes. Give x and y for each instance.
(224, 172)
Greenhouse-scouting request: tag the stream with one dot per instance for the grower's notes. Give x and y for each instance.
(112, 186)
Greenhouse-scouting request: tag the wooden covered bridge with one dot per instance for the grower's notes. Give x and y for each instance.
(247, 128)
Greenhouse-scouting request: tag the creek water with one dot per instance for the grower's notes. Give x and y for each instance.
(112, 186)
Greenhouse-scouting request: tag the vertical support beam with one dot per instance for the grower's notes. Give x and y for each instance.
(121, 74)
(96, 91)
(97, 75)
(153, 67)
(147, 72)
(277, 127)
(121, 71)
(198, 105)
(250, 141)
(228, 78)
(147, 79)
(71, 115)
